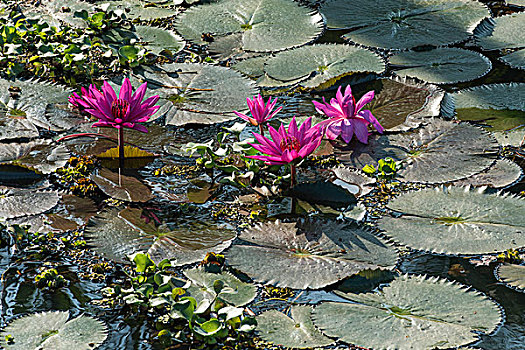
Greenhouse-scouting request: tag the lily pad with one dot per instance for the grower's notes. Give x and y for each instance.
(252, 67)
(515, 59)
(512, 275)
(14, 202)
(502, 174)
(57, 11)
(235, 292)
(297, 332)
(52, 330)
(265, 25)
(322, 63)
(510, 138)
(496, 105)
(14, 125)
(439, 152)
(404, 24)
(157, 40)
(353, 177)
(142, 9)
(39, 155)
(321, 192)
(125, 188)
(456, 221)
(412, 312)
(321, 252)
(441, 65)
(198, 93)
(116, 234)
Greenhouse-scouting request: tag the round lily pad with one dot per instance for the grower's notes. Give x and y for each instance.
(193, 93)
(404, 24)
(39, 155)
(456, 220)
(412, 312)
(321, 252)
(439, 152)
(264, 25)
(14, 202)
(52, 330)
(502, 174)
(142, 9)
(495, 105)
(125, 188)
(512, 275)
(116, 234)
(157, 39)
(321, 63)
(297, 332)
(441, 65)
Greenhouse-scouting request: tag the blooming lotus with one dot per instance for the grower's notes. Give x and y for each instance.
(78, 101)
(288, 146)
(347, 117)
(261, 112)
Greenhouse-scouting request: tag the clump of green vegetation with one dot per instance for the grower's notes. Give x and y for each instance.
(50, 279)
(510, 256)
(75, 175)
(387, 169)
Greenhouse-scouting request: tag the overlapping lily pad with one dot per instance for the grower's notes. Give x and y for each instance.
(413, 312)
(297, 332)
(116, 234)
(52, 330)
(142, 9)
(442, 65)
(321, 252)
(352, 177)
(505, 32)
(439, 152)
(404, 24)
(39, 155)
(318, 64)
(456, 220)
(235, 292)
(157, 39)
(497, 105)
(118, 186)
(502, 174)
(263, 25)
(512, 275)
(198, 93)
(14, 202)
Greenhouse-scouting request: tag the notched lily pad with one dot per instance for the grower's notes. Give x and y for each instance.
(297, 332)
(14, 202)
(39, 156)
(456, 220)
(354, 180)
(321, 252)
(512, 275)
(125, 188)
(52, 330)
(502, 174)
(412, 312)
(157, 40)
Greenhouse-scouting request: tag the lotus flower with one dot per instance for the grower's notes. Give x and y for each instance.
(261, 112)
(124, 111)
(78, 101)
(347, 117)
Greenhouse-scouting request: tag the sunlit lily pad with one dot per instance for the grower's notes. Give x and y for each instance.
(456, 220)
(297, 332)
(157, 40)
(39, 156)
(198, 93)
(412, 312)
(321, 63)
(321, 252)
(439, 152)
(52, 330)
(404, 24)
(14, 202)
(354, 180)
(63, 11)
(14, 125)
(442, 65)
(496, 105)
(142, 9)
(125, 188)
(510, 138)
(252, 67)
(265, 25)
(116, 234)
(502, 174)
(512, 275)
(235, 292)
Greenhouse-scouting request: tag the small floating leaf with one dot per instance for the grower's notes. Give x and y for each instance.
(354, 177)
(512, 275)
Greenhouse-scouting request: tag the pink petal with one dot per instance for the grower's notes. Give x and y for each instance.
(125, 90)
(347, 130)
(369, 96)
(361, 131)
(368, 116)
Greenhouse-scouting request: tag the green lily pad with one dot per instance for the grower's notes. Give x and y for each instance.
(14, 202)
(157, 40)
(265, 25)
(252, 67)
(116, 234)
(510, 138)
(322, 63)
(412, 312)
(404, 24)
(321, 252)
(142, 9)
(193, 93)
(297, 332)
(456, 220)
(515, 59)
(52, 330)
(442, 65)
(502, 174)
(54, 12)
(512, 275)
(234, 291)
(439, 152)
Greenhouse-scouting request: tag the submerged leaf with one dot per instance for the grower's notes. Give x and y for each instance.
(297, 332)
(321, 252)
(52, 330)
(512, 275)
(456, 220)
(412, 312)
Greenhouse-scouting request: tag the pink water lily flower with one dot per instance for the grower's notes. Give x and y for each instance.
(347, 117)
(261, 112)
(78, 101)
(125, 111)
